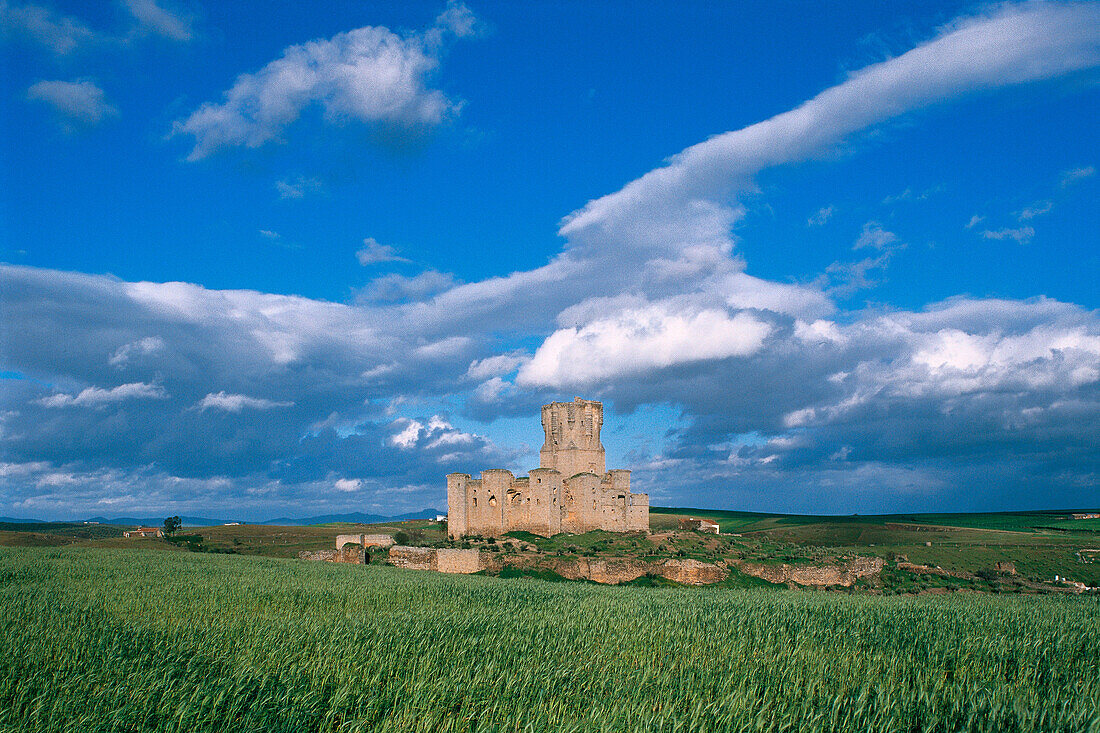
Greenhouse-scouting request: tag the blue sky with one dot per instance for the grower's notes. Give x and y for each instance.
(286, 258)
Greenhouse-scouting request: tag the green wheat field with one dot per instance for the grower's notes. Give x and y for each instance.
(104, 640)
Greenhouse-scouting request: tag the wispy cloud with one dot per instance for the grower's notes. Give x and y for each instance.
(297, 187)
(1074, 175)
(154, 19)
(61, 34)
(1037, 209)
(372, 252)
(80, 102)
(97, 397)
(134, 350)
(821, 216)
(909, 195)
(1022, 235)
(64, 34)
(237, 402)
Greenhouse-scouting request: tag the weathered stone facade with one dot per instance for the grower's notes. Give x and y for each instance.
(570, 491)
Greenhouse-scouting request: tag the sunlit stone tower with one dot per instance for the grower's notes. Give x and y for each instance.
(572, 437)
(570, 491)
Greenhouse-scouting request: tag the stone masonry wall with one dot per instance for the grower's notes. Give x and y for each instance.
(365, 540)
(352, 555)
(443, 561)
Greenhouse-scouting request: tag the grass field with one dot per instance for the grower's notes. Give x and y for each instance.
(107, 640)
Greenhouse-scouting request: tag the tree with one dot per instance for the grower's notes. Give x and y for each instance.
(401, 538)
(171, 524)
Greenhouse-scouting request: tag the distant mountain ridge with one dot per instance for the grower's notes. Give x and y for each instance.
(350, 517)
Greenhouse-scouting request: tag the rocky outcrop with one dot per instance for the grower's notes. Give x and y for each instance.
(929, 570)
(816, 575)
(614, 571)
(693, 572)
(1005, 567)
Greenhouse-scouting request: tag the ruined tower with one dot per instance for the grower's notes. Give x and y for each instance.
(570, 492)
(572, 437)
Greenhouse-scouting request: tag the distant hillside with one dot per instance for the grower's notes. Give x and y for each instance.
(350, 517)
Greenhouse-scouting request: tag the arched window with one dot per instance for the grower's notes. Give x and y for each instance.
(475, 501)
(492, 501)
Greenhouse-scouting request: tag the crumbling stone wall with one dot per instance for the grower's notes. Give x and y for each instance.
(459, 561)
(441, 560)
(412, 558)
(353, 555)
(365, 540)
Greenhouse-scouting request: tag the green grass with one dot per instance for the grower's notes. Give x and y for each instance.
(104, 640)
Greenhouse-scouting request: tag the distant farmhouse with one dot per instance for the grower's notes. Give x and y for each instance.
(699, 525)
(570, 491)
(144, 532)
(1087, 515)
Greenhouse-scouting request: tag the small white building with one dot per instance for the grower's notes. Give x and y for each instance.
(144, 532)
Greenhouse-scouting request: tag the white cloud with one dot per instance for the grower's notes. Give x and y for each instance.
(740, 290)
(1022, 235)
(492, 390)
(409, 434)
(438, 434)
(348, 484)
(818, 331)
(297, 187)
(392, 288)
(496, 366)
(237, 402)
(155, 19)
(1037, 209)
(1074, 175)
(61, 34)
(142, 347)
(873, 235)
(909, 195)
(97, 397)
(684, 204)
(821, 216)
(974, 221)
(372, 252)
(639, 340)
(369, 75)
(77, 101)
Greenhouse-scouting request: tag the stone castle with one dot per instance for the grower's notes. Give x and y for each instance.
(570, 491)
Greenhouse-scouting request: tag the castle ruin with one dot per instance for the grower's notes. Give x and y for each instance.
(570, 491)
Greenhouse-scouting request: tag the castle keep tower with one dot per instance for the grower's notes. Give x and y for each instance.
(572, 437)
(570, 491)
